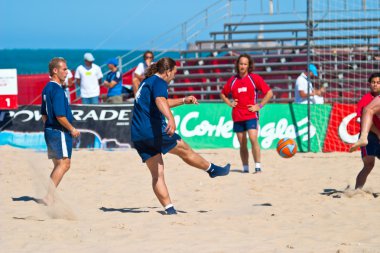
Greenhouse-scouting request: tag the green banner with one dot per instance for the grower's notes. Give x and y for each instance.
(210, 125)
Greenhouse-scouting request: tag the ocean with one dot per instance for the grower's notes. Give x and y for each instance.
(35, 61)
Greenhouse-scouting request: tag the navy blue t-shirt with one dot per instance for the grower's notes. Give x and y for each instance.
(147, 121)
(55, 103)
(115, 90)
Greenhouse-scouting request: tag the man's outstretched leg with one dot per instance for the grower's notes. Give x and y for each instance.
(188, 155)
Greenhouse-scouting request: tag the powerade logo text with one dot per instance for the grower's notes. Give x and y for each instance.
(80, 115)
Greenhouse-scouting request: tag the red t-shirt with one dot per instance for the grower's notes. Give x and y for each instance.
(366, 99)
(245, 90)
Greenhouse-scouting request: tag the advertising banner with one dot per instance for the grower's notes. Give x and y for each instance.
(102, 126)
(210, 125)
(207, 125)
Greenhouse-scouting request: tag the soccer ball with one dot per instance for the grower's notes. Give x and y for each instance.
(286, 147)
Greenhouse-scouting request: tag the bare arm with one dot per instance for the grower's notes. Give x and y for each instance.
(181, 101)
(110, 84)
(44, 118)
(136, 80)
(163, 106)
(227, 100)
(257, 107)
(66, 124)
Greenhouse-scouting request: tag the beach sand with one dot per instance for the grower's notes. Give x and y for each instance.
(105, 204)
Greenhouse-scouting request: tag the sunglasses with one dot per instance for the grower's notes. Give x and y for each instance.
(148, 57)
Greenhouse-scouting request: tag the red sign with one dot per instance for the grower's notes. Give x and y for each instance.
(8, 102)
(343, 129)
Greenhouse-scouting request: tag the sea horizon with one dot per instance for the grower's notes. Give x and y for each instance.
(35, 61)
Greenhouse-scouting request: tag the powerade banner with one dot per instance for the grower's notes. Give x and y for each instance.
(101, 126)
(343, 128)
(210, 125)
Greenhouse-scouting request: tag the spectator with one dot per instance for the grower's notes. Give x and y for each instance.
(245, 108)
(302, 83)
(139, 75)
(68, 83)
(114, 83)
(89, 77)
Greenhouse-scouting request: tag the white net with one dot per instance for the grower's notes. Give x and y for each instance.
(345, 48)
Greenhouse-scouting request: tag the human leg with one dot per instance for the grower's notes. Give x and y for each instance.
(61, 166)
(369, 163)
(189, 156)
(156, 168)
(252, 133)
(366, 123)
(242, 138)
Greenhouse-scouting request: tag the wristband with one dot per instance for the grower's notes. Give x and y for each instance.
(183, 100)
(261, 106)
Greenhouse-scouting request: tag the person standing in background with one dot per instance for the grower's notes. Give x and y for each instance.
(244, 88)
(89, 77)
(139, 75)
(301, 88)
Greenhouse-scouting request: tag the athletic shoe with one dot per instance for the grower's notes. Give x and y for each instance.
(170, 211)
(245, 170)
(216, 171)
(257, 170)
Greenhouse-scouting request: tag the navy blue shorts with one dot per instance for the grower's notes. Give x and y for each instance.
(242, 126)
(373, 147)
(151, 147)
(59, 144)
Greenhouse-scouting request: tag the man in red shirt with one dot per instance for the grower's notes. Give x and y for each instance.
(244, 88)
(371, 147)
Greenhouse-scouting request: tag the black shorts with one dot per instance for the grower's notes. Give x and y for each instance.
(150, 147)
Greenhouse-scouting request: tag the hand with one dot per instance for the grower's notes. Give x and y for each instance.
(253, 108)
(75, 133)
(170, 128)
(190, 100)
(234, 103)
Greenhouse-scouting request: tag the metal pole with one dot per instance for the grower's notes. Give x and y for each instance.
(309, 19)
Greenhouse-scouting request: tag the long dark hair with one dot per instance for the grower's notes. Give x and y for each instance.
(164, 64)
(250, 63)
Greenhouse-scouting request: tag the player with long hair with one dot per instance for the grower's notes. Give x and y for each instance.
(244, 88)
(152, 136)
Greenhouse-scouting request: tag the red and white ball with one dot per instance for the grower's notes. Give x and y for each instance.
(286, 147)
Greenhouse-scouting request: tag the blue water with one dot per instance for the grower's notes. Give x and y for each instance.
(33, 61)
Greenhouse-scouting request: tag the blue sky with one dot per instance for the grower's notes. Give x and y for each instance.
(95, 24)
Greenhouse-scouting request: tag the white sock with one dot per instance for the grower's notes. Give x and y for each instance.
(258, 165)
(209, 167)
(245, 168)
(168, 206)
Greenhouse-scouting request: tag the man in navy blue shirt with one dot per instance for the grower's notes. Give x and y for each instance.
(114, 83)
(58, 128)
(152, 136)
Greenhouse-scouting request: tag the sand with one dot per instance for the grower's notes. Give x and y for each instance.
(106, 204)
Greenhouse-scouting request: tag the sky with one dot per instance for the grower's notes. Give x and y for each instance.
(95, 24)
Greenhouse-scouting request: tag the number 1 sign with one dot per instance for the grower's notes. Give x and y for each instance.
(8, 89)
